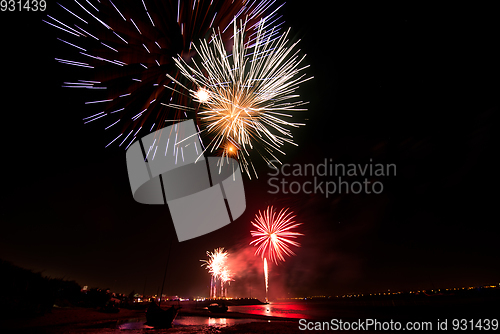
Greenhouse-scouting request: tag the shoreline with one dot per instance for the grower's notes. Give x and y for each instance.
(68, 316)
(89, 320)
(75, 319)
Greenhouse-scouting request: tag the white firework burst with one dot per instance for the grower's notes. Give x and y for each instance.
(243, 99)
(124, 48)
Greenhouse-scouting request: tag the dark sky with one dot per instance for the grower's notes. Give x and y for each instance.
(414, 87)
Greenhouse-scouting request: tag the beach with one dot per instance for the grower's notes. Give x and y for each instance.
(64, 318)
(275, 317)
(90, 320)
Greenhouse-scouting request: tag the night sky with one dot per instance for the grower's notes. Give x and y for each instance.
(414, 87)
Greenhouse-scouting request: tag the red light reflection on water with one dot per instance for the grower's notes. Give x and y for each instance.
(286, 310)
(185, 321)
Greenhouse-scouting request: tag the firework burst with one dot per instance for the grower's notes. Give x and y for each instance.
(125, 48)
(216, 261)
(274, 235)
(244, 98)
(217, 267)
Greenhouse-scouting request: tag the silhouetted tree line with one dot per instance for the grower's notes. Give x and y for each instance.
(26, 293)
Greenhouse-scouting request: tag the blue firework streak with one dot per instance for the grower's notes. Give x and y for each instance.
(127, 47)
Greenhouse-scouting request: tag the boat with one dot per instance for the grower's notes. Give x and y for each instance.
(159, 318)
(217, 308)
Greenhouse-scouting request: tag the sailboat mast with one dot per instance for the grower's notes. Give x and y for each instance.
(165, 274)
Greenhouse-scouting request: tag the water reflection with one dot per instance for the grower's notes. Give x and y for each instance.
(277, 309)
(181, 321)
(218, 322)
(133, 324)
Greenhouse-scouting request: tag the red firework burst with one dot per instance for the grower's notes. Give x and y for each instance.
(275, 234)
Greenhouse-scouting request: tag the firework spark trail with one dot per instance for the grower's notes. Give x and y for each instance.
(126, 48)
(225, 277)
(217, 267)
(266, 275)
(244, 97)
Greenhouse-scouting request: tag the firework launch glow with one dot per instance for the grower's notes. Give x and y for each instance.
(245, 97)
(266, 276)
(217, 267)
